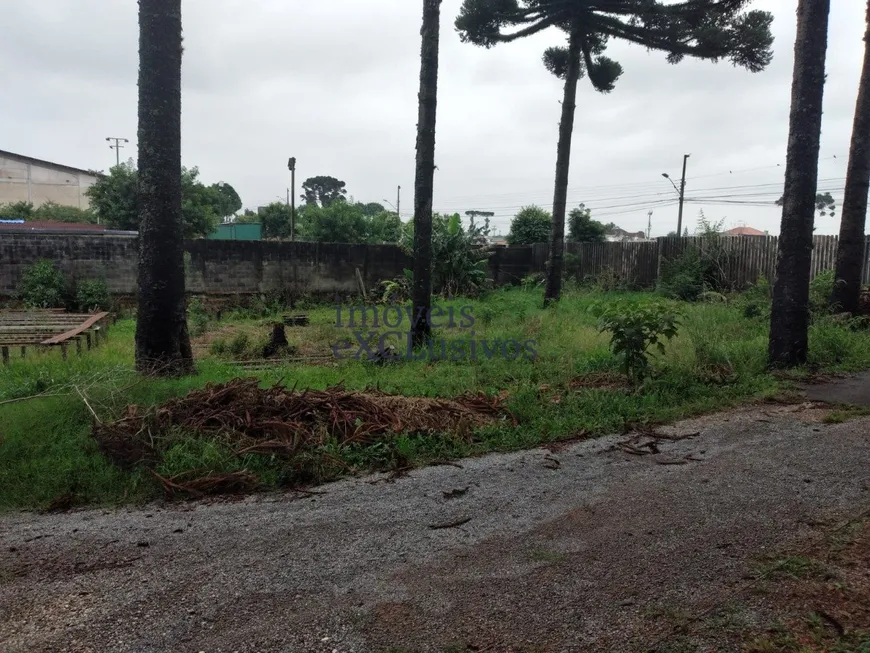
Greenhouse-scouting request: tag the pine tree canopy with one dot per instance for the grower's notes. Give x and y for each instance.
(705, 29)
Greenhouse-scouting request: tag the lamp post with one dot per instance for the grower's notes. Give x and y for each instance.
(291, 164)
(681, 191)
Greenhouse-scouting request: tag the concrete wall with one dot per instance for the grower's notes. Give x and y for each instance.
(25, 181)
(214, 267)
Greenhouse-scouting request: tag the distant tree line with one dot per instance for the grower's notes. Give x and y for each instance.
(114, 201)
(533, 225)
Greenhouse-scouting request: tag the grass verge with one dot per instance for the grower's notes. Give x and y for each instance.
(716, 361)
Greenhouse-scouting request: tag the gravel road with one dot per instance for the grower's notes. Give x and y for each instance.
(577, 549)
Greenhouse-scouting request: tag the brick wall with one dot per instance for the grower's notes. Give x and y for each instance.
(229, 267)
(112, 258)
(214, 267)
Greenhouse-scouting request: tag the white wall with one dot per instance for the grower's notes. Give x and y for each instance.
(31, 182)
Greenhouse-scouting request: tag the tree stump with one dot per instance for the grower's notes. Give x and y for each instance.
(277, 342)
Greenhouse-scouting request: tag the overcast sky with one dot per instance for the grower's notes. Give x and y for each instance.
(334, 83)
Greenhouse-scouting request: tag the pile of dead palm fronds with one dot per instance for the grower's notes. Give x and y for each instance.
(281, 422)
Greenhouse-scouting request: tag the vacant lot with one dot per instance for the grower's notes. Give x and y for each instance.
(572, 388)
(748, 544)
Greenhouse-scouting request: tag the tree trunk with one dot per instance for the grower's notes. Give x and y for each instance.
(162, 341)
(789, 320)
(424, 180)
(850, 251)
(563, 160)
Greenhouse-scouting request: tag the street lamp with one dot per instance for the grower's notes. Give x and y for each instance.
(291, 165)
(668, 177)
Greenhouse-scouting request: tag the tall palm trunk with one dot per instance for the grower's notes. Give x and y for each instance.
(424, 180)
(789, 320)
(850, 251)
(162, 341)
(563, 159)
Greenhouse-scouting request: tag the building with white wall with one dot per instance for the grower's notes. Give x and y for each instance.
(25, 179)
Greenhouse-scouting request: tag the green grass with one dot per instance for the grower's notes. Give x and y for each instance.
(716, 361)
(846, 413)
(793, 567)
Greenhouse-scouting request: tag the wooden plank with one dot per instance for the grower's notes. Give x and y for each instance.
(43, 328)
(62, 338)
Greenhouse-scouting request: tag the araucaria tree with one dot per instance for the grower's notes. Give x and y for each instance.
(424, 180)
(706, 29)
(789, 316)
(162, 340)
(850, 250)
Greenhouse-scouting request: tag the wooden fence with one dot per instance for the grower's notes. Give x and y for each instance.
(639, 264)
(631, 264)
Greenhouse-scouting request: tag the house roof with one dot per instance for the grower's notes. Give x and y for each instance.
(622, 233)
(745, 231)
(48, 164)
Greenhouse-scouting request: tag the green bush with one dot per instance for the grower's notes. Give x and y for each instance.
(684, 277)
(398, 290)
(197, 317)
(92, 295)
(832, 343)
(532, 281)
(218, 347)
(755, 301)
(531, 225)
(238, 346)
(700, 268)
(635, 328)
(43, 286)
(608, 280)
(571, 267)
(459, 256)
(821, 288)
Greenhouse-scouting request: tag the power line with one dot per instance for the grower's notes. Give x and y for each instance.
(610, 188)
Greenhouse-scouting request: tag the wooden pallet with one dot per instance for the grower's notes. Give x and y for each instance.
(50, 328)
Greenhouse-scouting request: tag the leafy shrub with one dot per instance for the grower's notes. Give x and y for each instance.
(92, 295)
(398, 290)
(608, 280)
(821, 288)
(238, 345)
(459, 256)
(684, 277)
(197, 317)
(532, 281)
(755, 301)
(218, 347)
(635, 328)
(583, 229)
(832, 342)
(571, 267)
(712, 297)
(700, 268)
(531, 225)
(43, 286)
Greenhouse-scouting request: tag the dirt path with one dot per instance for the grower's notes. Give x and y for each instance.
(585, 549)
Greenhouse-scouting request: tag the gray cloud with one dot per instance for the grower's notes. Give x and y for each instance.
(334, 83)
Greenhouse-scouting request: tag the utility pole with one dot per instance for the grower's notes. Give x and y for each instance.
(649, 224)
(292, 195)
(117, 147)
(682, 194)
(681, 191)
(399, 202)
